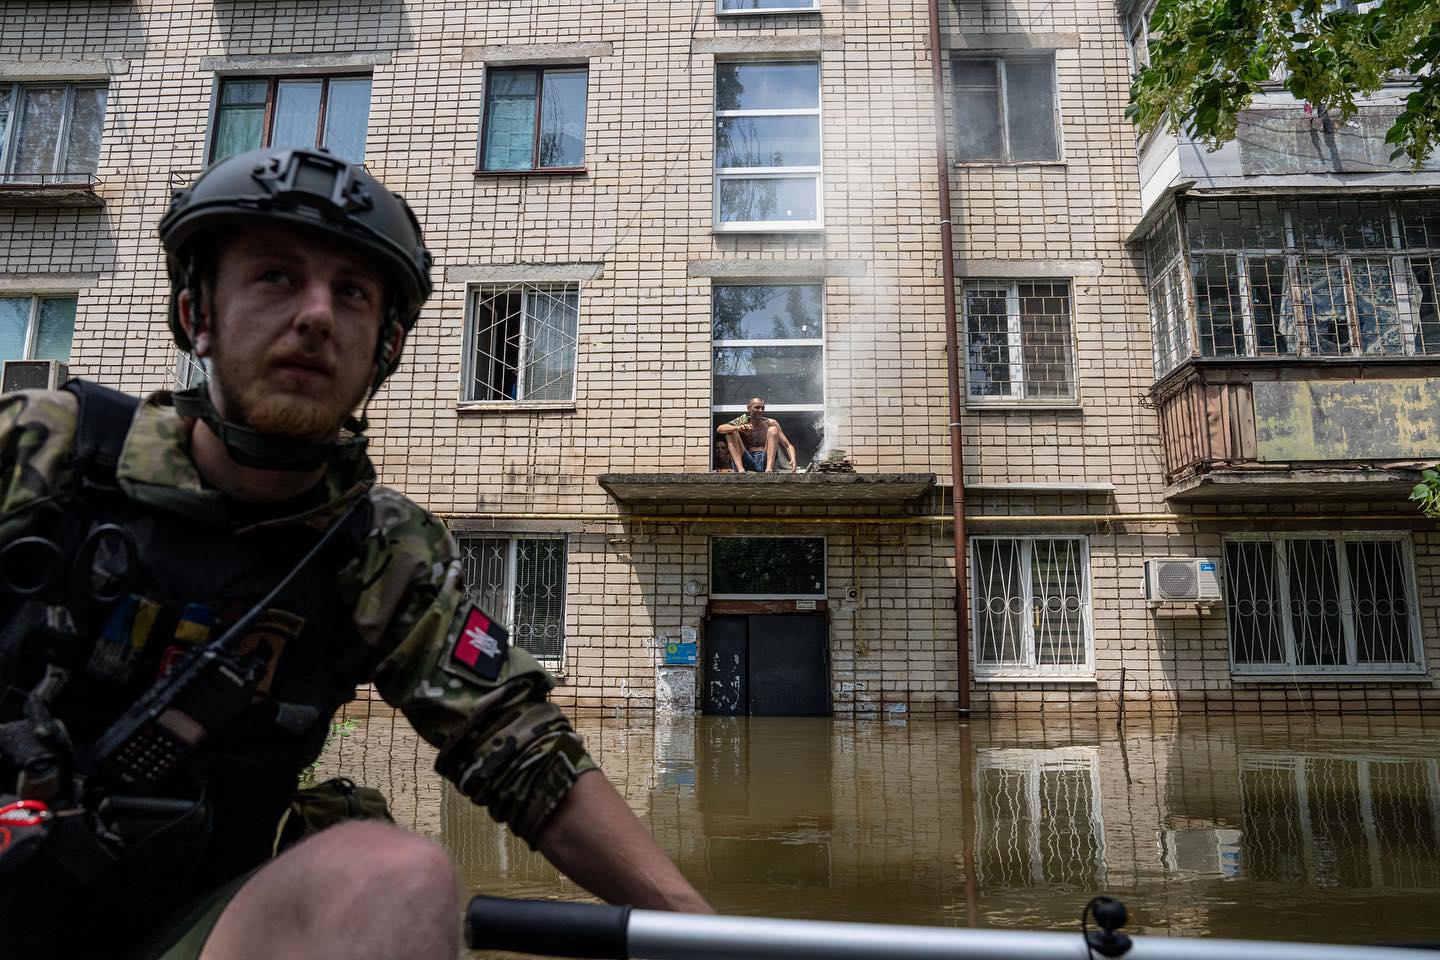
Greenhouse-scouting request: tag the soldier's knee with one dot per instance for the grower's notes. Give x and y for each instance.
(374, 855)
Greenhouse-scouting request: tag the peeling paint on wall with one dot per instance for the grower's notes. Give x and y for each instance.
(1347, 420)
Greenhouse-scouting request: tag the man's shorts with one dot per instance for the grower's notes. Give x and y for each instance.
(183, 936)
(753, 460)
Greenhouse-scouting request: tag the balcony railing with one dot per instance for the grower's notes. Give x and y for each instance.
(1285, 415)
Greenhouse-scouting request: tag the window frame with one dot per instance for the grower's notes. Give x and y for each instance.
(720, 174)
(813, 7)
(507, 616)
(272, 89)
(776, 408)
(1352, 668)
(32, 323)
(540, 70)
(1015, 343)
(1031, 670)
(469, 346)
(1000, 57)
(11, 137)
(824, 566)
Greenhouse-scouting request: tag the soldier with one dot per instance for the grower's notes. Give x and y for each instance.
(234, 533)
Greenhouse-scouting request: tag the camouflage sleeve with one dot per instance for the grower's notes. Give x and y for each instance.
(37, 430)
(500, 741)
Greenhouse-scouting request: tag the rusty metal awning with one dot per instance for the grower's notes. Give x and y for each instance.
(770, 489)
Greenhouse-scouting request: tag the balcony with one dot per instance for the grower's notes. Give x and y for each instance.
(1242, 429)
(893, 490)
(50, 190)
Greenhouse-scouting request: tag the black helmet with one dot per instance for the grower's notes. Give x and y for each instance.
(311, 188)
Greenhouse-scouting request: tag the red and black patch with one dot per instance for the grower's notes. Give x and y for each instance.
(482, 646)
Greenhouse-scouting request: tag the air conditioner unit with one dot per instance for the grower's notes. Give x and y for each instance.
(33, 375)
(1182, 579)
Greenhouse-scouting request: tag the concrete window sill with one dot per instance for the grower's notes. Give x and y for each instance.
(1013, 405)
(558, 406)
(1324, 678)
(1079, 681)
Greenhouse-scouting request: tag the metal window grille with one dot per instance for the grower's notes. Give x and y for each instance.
(1324, 277)
(1038, 819)
(50, 132)
(1321, 605)
(1031, 605)
(1338, 821)
(520, 581)
(1019, 340)
(523, 340)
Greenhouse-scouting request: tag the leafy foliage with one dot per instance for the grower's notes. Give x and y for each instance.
(1208, 59)
(1427, 494)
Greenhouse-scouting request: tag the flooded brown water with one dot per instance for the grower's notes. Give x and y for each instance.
(1324, 830)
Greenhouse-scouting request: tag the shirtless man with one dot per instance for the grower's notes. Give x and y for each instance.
(753, 439)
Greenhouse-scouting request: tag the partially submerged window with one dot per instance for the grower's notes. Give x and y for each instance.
(1031, 605)
(767, 567)
(1005, 108)
(50, 132)
(255, 112)
(1272, 278)
(767, 146)
(534, 118)
(1321, 604)
(1019, 340)
(520, 581)
(768, 341)
(36, 328)
(521, 342)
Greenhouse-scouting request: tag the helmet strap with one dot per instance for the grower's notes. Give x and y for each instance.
(250, 448)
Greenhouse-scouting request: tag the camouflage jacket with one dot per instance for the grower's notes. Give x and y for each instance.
(484, 707)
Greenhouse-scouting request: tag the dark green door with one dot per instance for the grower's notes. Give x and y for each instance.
(767, 665)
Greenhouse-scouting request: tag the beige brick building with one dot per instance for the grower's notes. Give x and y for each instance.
(644, 213)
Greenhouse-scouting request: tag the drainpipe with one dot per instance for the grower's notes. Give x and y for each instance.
(952, 364)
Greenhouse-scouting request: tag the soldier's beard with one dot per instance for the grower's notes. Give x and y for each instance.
(245, 401)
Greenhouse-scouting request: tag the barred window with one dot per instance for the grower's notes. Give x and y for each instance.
(1031, 602)
(520, 581)
(1019, 340)
(1322, 605)
(1271, 278)
(522, 342)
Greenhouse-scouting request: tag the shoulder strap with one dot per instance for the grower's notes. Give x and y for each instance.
(104, 420)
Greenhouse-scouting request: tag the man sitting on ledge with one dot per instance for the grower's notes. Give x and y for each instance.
(753, 439)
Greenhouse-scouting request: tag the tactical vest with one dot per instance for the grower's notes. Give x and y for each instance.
(190, 580)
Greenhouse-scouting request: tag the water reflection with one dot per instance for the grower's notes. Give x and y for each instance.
(1290, 830)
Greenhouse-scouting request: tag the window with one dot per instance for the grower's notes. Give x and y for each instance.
(1322, 604)
(767, 146)
(1037, 819)
(1319, 278)
(1031, 606)
(769, 342)
(520, 581)
(255, 112)
(534, 119)
(50, 132)
(760, 568)
(36, 328)
(1005, 109)
(768, 6)
(522, 340)
(1137, 33)
(1019, 341)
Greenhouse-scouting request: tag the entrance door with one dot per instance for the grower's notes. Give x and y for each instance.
(767, 665)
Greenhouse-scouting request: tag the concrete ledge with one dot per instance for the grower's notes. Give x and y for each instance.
(524, 272)
(96, 69)
(1012, 41)
(986, 269)
(1294, 485)
(757, 269)
(537, 52)
(296, 62)
(769, 489)
(47, 282)
(745, 45)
